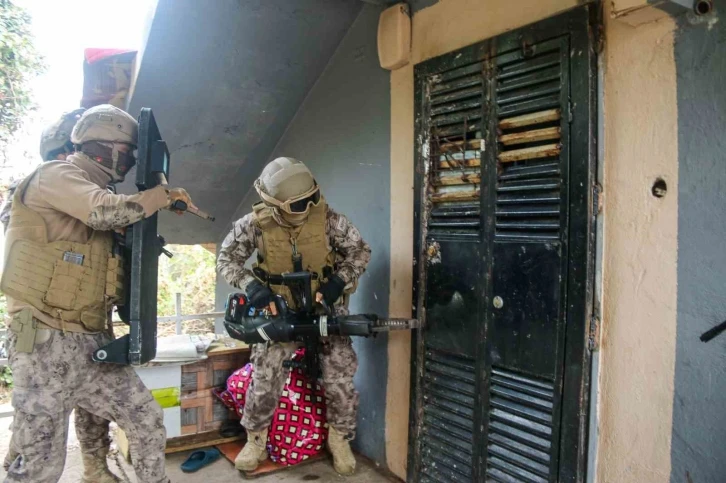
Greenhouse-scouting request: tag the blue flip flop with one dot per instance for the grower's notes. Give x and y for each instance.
(199, 459)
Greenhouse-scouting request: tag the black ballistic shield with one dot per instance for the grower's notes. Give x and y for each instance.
(142, 247)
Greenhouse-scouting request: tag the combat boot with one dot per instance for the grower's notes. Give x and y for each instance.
(343, 459)
(95, 468)
(254, 452)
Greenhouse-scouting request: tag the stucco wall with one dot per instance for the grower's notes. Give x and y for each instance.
(640, 242)
(437, 28)
(342, 132)
(699, 418)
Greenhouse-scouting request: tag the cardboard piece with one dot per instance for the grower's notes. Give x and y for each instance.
(231, 450)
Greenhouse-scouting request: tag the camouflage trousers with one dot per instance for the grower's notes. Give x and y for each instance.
(60, 375)
(338, 363)
(91, 431)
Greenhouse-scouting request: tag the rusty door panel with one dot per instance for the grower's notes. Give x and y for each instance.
(523, 332)
(452, 303)
(503, 265)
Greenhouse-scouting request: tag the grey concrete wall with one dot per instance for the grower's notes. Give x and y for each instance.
(342, 132)
(699, 409)
(224, 82)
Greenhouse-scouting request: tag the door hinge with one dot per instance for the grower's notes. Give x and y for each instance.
(593, 340)
(596, 199)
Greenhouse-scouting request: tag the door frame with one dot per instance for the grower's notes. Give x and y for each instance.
(582, 24)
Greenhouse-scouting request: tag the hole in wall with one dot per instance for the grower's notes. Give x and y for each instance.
(703, 7)
(659, 188)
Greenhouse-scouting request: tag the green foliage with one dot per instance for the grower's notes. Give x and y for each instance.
(6, 376)
(20, 62)
(190, 272)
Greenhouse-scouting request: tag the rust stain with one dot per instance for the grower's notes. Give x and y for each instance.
(530, 153)
(455, 196)
(460, 163)
(530, 119)
(459, 180)
(458, 146)
(531, 136)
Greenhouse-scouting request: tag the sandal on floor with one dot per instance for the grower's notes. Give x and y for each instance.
(199, 459)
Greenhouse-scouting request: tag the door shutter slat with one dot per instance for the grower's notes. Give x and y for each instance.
(461, 457)
(529, 80)
(518, 447)
(515, 472)
(448, 418)
(440, 474)
(521, 418)
(530, 91)
(529, 145)
(454, 117)
(433, 437)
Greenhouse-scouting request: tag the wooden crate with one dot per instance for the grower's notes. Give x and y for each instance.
(202, 413)
(201, 410)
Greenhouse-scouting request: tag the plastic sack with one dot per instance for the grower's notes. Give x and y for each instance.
(298, 429)
(237, 383)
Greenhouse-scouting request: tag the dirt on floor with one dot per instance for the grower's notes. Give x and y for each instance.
(221, 471)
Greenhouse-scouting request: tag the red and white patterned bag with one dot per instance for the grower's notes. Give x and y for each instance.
(298, 429)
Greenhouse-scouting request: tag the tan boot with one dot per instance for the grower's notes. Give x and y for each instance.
(254, 452)
(95, 468)
(343, 459)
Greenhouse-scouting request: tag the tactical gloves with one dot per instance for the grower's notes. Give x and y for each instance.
(259, 295)
(178, 194)
(332, 289)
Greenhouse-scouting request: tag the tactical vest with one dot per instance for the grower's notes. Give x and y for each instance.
(275, 249)
(72, 282)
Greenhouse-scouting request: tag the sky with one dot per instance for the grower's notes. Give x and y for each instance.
(63, 30)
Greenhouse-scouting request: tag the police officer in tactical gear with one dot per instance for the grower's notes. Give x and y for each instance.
(55, 144)
(294, 219)
(61, 278)
(92, 431)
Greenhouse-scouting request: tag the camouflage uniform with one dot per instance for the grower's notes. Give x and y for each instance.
(59, 374)
(338, 359)
(91, 431)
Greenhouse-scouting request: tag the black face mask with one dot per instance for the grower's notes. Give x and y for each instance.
(126, 161)
(104, 156)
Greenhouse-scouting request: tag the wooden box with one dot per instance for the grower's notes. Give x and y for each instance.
(195, 420)
(201, 410)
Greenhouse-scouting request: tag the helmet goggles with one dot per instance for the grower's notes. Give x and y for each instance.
(294, 206)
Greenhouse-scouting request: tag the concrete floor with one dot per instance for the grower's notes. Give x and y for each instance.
(218, 472)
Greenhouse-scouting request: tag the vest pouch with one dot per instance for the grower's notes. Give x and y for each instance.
(64, 285)
(93, 321)
(115, 280)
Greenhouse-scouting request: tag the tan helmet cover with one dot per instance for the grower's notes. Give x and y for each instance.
(285, 179)
(58, 134)
(106, 123)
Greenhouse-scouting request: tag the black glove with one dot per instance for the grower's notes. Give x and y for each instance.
(332, 289)
(258, 295)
